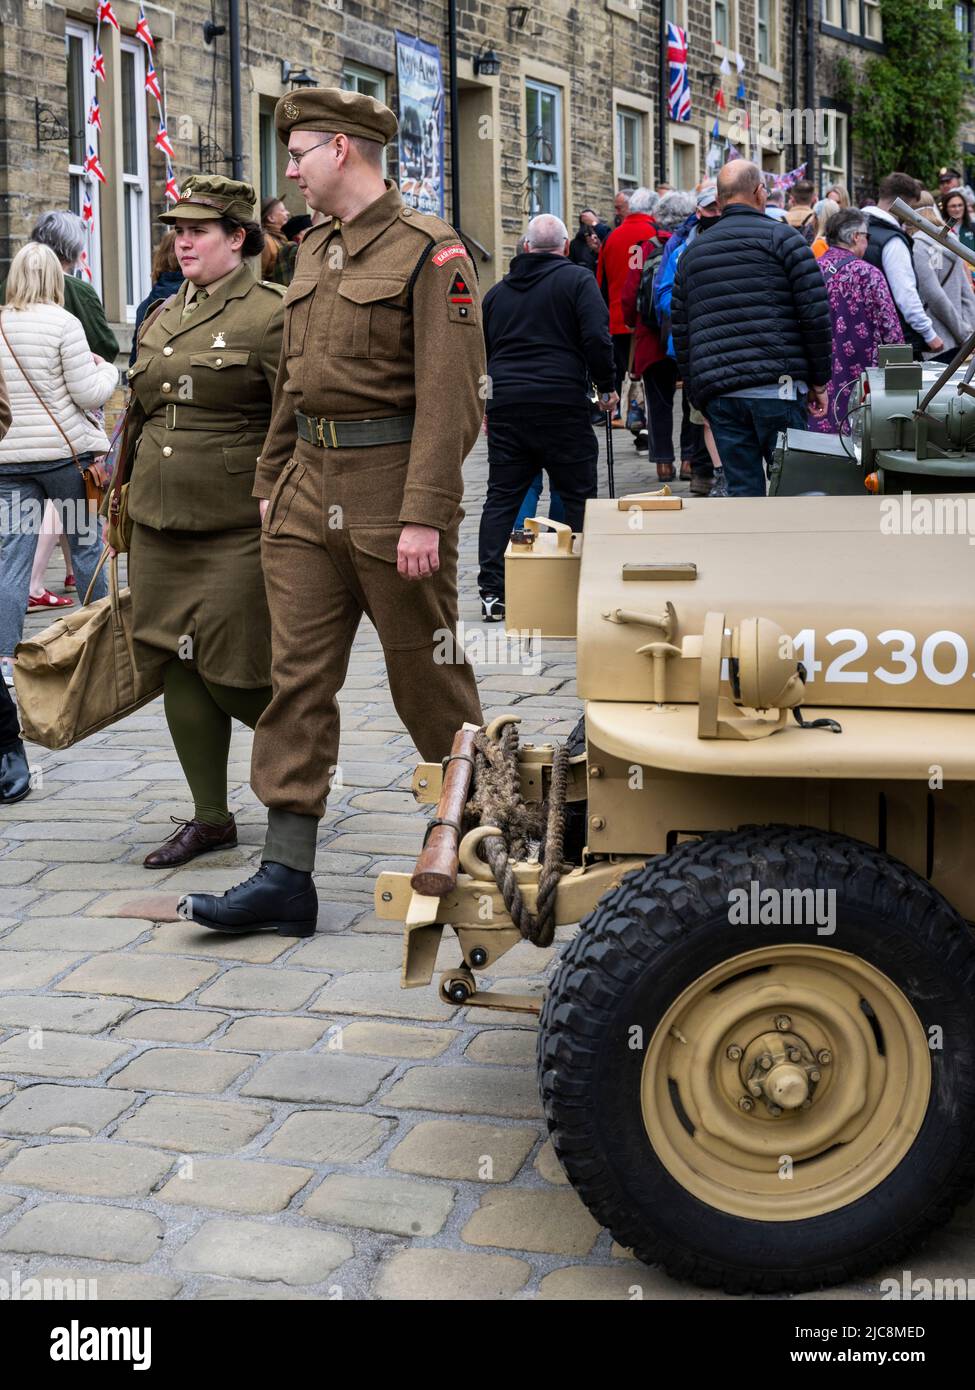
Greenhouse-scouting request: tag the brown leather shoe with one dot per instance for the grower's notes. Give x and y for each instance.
(192, 838)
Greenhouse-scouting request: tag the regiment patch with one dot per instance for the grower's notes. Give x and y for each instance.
(460, 291)
(448, 253)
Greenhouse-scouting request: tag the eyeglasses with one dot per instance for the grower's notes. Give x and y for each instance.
(296, 159)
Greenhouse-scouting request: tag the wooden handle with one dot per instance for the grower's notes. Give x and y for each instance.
(436, 867)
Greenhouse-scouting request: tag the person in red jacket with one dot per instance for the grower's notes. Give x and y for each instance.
(616, 259)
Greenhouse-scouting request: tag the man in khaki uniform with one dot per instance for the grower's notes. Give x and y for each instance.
(376, 406)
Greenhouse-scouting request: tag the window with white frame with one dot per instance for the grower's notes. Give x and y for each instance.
(767, 36)
(676, 12)
(963, 23)
(543, 129)
(721, 22)
(135, 175)
(368, 81)
(79, 43)
(268, 149)
(835, 164)
(871, 25)
(629, 147)
(833, 13)
(684, 170)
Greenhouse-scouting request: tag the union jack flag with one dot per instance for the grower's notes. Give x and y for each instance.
(106, 13)
(161, 141)
(98, 63)
(679, 102)
(172, 187)
(85, 266)
(142, 30)
(92, 165)
(95, 114)
(152, 82)
(87, 211)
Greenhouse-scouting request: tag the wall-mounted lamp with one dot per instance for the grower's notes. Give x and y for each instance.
(212, 31)
(298, 77)
(487, 63)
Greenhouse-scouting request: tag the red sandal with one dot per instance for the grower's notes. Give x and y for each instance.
(69, 582)
(48, 600)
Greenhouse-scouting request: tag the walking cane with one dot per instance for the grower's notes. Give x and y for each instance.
(609, 453)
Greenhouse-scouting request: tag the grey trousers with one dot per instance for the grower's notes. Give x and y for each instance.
(24, 489)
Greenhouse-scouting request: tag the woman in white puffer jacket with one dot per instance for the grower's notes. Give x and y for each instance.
(52, 378)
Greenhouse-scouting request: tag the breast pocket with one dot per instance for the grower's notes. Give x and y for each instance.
(298, 299)
(369, 316)
(219, 359)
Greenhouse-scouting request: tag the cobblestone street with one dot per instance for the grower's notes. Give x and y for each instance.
(189, 1116)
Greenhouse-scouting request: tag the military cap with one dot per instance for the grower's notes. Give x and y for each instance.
(333, 110)
(204, 197)
(948, 173)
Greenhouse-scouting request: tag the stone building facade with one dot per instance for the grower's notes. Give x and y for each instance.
(576, 109)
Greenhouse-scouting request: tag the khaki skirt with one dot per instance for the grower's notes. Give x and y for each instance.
(199, 596)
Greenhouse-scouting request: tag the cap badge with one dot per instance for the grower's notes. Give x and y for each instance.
(218, 340)
(291, 110)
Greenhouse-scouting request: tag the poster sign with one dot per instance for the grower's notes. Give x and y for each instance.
(421, 124)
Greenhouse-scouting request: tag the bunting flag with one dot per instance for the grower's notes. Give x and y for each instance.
(142, 30)
(172, 186)
(98, 63)
(152, 81)
(715, 131)
(740, 94)
(107, 15)
(739, 62)
(719, 100)
(95, 114)
(92, 166)
(787, 180)
(87, 211)
(679, 101)
(725, 66)
(85, 266)
(161, 141)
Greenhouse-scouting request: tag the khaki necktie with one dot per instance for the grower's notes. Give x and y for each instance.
(198, 298)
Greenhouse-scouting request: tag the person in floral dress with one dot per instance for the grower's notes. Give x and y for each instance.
(862, 312)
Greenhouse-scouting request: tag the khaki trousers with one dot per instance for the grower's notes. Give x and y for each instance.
(328, 548)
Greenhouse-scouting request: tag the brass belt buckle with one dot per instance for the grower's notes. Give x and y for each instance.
(320, 434)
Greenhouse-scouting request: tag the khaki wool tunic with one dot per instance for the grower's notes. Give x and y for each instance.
(203, 382)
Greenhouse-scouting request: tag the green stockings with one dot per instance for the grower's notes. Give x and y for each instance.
(198, 713)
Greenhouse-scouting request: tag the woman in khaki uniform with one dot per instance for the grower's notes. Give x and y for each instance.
(202, 383)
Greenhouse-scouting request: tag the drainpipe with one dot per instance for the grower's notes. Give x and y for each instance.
(236, 124)
(664, 94)
(793, 147)
(811, 89)
(454, 130)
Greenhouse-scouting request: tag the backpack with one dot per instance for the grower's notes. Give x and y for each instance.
(654, 254)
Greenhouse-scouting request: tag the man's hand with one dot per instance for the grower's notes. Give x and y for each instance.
(608, 403)
(818, 402)
(111, 551)
(265, 502)
(418, 552)
(936, 344)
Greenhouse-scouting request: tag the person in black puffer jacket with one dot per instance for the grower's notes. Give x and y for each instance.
(751, 328)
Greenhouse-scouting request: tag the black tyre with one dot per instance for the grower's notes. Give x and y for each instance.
(866, 1035)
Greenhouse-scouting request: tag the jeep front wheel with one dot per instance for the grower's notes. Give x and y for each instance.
(758, 1103)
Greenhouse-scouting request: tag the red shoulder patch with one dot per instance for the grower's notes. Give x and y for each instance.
(448, 253)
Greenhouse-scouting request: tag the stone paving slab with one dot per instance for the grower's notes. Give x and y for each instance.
(192, 1116)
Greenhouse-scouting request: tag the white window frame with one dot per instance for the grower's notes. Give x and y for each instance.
(676, 12)
(86, 34)
(872, 8)
(627, 114)
(838, 126)
(360, 73)
(679, 134)
(769, 68)
(556, 166)
(136, 238)
(832, 13)
(732, 47)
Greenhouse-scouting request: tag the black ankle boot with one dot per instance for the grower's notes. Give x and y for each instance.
(275, 899)
(14, 775)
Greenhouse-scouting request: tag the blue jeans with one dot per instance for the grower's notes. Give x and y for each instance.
(556, 511)
(745, 430)
(24, 489)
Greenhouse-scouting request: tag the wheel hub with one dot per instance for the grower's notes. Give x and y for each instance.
(779, 1068)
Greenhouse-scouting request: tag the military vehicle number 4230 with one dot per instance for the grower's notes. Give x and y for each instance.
(944, 656)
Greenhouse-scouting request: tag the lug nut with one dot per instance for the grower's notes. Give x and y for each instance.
(825, 1056)
(755, 1088)
(746, 1103)
(795, 1055)
(783, 1022)
(815, 1075)
(775, 1110)
(765, 1062)
(734, 1053)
